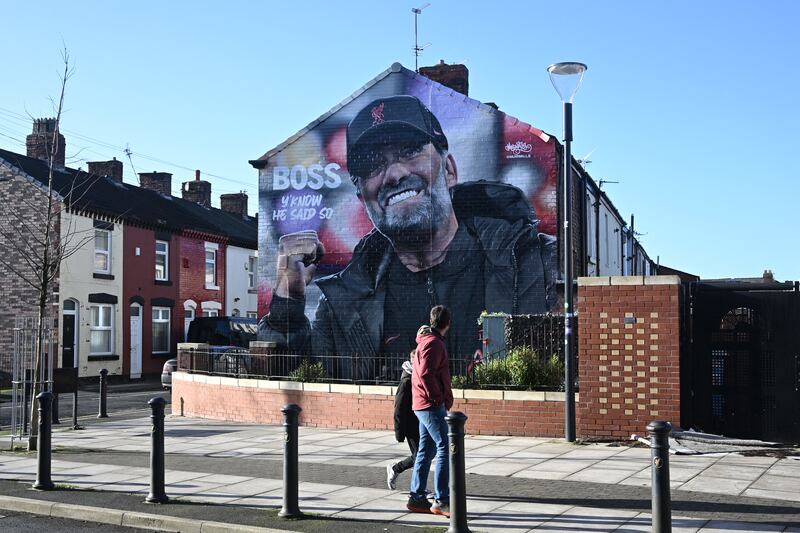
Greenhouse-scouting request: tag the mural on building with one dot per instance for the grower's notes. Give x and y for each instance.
(407, 196)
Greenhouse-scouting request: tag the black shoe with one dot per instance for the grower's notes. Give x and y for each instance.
(418, 505)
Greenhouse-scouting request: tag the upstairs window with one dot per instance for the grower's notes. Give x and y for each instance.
(252, 265)
(211, 249)
(102, 251)
(162, 260)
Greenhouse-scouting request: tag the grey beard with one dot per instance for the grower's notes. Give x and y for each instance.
(423, 222)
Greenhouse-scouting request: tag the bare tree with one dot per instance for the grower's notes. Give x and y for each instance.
(38, 245)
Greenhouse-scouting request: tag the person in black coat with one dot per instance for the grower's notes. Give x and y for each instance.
(406, 427)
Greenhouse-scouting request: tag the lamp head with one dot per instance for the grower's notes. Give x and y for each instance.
(566, 78)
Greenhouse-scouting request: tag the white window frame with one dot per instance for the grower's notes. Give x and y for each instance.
(213, 248)
(106, 252)
(165, 254)
(161, 320)
(101, 327)
(252, 314)
(252, 268)
(210, 308)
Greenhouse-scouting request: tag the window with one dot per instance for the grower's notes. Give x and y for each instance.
(102, 251)
(252, 314)
(210, 312)
(101, 328)
(161, 329)
(162, 260)
(211, 268)
(252, 266)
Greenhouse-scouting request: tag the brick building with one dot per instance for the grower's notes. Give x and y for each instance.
(139, 258)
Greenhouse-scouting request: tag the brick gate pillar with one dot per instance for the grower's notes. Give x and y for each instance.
(629, 354)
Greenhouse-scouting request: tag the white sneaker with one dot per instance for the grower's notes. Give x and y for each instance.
(391, 476)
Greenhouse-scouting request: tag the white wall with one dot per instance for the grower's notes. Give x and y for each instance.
(77, 282)
(237, 282)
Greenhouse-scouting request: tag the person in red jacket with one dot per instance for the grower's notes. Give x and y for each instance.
(431, 398)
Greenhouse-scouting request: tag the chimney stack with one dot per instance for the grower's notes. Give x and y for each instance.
(160, 182)
(235, 203)
(455, 77)
(768, 277)
(110, 169)
(198, 191)
(40, 142)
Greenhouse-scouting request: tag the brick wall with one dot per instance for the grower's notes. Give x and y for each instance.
(532, 414)
(191, 275)
(23, 211)
(629, 331)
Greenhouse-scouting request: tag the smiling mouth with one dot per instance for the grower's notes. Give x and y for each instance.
(401, 196)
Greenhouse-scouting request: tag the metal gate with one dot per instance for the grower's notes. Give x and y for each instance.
(24, 364)
(744, 367)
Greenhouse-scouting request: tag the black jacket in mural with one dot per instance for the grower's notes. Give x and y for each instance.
(520, 269)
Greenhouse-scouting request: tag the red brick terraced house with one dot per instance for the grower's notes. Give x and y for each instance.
(149, 262)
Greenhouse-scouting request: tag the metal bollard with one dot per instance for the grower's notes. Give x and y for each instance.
(157, 493)
(103, 392)
(43, 469)
(75, 410)
(458, 485)
(291, 507)
(55, 410)
(659, 452)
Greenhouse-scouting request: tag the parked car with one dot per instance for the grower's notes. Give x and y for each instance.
(166, 373)
(223, 331)
(228, 338)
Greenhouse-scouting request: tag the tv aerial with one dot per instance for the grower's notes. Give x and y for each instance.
(417, 48)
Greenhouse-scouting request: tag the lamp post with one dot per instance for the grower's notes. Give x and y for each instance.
(566, 79)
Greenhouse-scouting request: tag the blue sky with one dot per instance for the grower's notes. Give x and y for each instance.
(690, 106)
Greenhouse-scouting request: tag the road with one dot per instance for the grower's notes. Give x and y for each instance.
(13, 521)
(122, 401)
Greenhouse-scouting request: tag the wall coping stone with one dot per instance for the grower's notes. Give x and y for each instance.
(662, 280)
(479, 394)
(192, 346)
(594, 281)
(627, 280)
(378, 390)
(317, 387)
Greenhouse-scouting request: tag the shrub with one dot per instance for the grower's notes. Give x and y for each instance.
(522, 368)
(308, 372)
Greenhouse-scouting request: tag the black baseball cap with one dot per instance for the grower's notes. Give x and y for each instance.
(396, 119)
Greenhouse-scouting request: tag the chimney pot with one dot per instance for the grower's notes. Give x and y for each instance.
(197, 175)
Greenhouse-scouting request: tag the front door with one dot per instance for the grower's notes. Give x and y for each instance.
(136, 341)
(68, 342)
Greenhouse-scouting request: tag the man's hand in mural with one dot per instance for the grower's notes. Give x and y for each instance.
(298, 255)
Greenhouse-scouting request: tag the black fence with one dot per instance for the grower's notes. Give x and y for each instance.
(534, 362)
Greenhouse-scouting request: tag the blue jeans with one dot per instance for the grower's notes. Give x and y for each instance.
(432, 442)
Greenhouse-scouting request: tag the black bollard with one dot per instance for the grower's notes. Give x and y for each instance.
(43, 470)
(55, 410)
(659, 452)
(157, 493)
(458, 485)
(75, 410)
(103, 392)
(291, 507)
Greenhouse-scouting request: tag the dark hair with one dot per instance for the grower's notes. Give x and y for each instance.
(440, 317)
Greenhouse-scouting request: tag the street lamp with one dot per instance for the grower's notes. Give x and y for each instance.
(566, 79)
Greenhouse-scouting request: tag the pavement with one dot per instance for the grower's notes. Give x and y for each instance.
(224, 476)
